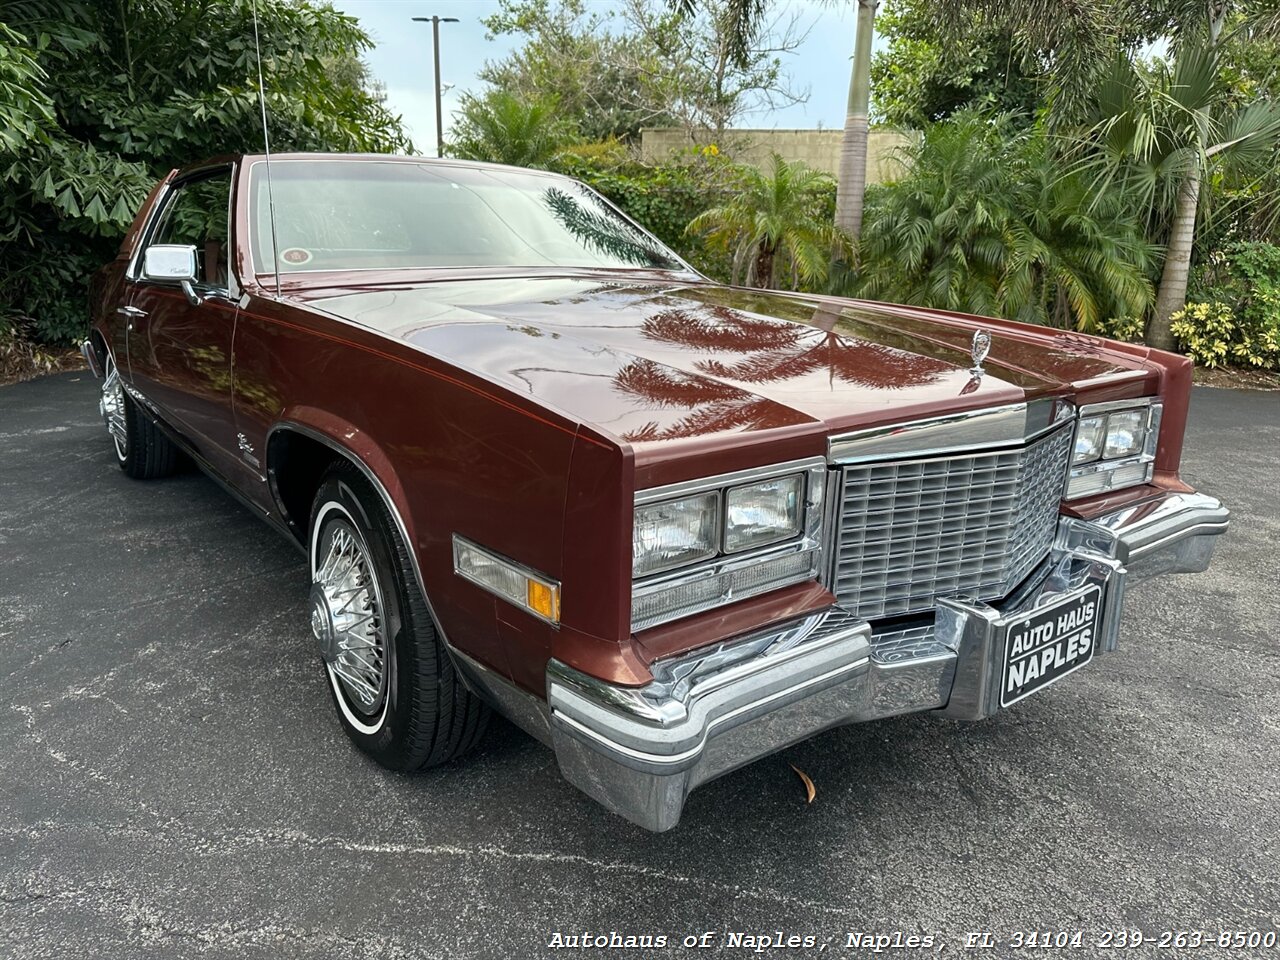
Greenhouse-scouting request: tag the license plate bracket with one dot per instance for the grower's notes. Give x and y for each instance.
(1044, 645)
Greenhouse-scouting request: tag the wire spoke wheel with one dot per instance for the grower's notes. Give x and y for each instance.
(347, 617)
(393, 685)
(111, 406)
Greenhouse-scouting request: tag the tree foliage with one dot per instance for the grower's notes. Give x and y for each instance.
(664, 197)
(500, 127)
(777, 225)
(645, 64)
(1075, 43)
(98, 100)
(984, 221)
(1234, 313)
(922, 75)
(1160, 132)
(571, 54)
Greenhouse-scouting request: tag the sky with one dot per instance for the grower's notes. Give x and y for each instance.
(401, 59)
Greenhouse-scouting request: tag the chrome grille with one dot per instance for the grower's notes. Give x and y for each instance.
(973, 525)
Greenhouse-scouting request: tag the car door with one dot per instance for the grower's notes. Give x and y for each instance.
(180, 350)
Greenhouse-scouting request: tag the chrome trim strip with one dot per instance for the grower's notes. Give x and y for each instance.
(131, 270)
(673, 491)
(991, 428)
(1090, 409)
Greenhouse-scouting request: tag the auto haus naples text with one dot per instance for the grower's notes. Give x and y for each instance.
(1041, 649)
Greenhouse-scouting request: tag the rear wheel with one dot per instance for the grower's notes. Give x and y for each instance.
(142, 449)
(393, 685)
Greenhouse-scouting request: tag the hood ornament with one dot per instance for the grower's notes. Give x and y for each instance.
(978, 350)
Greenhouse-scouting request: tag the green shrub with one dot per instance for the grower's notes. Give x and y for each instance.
(988, 218)
(1213, 336)
(662, 197)
(1128, 328)
(1243, 279)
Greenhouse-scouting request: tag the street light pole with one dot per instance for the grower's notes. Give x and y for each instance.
(435, 47)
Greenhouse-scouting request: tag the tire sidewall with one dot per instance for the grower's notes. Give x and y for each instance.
(343, 496)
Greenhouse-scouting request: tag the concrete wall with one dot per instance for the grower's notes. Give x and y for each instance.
(820, 149)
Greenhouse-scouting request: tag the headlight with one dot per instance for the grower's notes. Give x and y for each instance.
(762, 513)
(1089, 434)
(1115, 446)
(700, 544)
(674, 533)
(1125, 432)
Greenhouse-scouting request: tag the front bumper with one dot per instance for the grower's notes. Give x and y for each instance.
(640, 750)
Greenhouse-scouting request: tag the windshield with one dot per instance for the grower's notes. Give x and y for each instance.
(366, 214)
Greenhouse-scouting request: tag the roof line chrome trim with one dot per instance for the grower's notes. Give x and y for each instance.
(1012, 425)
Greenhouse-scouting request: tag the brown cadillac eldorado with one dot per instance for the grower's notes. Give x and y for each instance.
(540, 465)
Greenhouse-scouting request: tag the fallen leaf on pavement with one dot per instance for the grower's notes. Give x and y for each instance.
(809, 788)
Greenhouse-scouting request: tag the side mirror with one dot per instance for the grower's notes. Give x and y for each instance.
(172, 261)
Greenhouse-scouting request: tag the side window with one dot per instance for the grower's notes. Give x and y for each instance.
(196, 215)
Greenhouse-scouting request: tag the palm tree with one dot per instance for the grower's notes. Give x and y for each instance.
(502, 128)
(1158, 135)
(743, 19)
(852, 186)
(985, 222)
(775, 220)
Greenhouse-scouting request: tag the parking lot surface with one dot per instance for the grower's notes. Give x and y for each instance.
(173, 782)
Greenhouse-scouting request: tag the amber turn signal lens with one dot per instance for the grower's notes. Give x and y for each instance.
(507, 579)
(544, 600)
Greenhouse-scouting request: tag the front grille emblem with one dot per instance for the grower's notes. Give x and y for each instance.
(979, 350)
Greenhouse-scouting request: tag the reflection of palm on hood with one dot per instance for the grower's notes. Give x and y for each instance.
(650, 360)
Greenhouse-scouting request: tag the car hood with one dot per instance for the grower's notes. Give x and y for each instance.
(650, 360)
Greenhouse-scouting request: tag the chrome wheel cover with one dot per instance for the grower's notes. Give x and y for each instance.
(346, 616)
(111, 406)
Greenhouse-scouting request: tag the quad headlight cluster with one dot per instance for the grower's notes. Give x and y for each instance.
(675, 533)
(723, 539)
(1115, 446)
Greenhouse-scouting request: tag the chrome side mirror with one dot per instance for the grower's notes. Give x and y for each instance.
(172, 261)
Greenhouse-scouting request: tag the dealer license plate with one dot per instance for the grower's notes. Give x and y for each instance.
(1047, 644)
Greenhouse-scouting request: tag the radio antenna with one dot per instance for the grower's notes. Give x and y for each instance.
(266, 146)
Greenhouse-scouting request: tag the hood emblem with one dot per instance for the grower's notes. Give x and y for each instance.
(980, 348)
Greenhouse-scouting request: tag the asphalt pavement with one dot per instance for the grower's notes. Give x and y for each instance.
(173, 782)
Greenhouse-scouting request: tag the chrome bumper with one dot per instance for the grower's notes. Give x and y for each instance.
(640, 750)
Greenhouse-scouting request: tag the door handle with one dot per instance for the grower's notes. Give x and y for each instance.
(131, 313)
